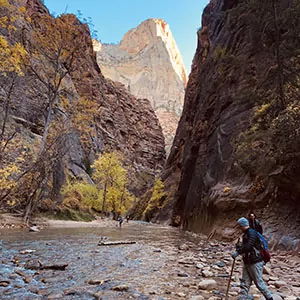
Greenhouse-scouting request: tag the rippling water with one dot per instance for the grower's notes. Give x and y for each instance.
(143, 267)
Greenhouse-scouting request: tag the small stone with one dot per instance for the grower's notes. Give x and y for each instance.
(95, 281)
(28, 251)
(198, 297)
(120, 288)
(184, 247)
(182, 295)
(208, 284)
(55, 296)
(220, 264)
(27, 279)
(280, 283)
(182, 275)
(199, 266)
(206, 273)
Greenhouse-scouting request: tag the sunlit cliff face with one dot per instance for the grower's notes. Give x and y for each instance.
(147, 61)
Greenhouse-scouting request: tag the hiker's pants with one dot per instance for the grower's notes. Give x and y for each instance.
(254, 273)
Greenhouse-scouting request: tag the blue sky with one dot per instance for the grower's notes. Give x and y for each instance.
(113, 18)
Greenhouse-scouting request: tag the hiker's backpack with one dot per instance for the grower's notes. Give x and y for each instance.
(264, 248)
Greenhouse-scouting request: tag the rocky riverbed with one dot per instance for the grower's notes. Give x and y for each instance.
(161, 263)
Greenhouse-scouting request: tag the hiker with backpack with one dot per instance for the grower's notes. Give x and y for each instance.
(254, 223)
(253, 262)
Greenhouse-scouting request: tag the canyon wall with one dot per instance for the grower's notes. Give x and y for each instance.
(237, 145)
(148, 63)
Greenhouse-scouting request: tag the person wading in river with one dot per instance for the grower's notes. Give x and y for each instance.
(253, 262)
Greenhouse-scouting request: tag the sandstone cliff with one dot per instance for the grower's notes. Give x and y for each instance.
(237, 144)
(122, 122)
(148, 62)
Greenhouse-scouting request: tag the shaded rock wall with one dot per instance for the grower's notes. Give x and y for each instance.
(208, 188)
(123, 122)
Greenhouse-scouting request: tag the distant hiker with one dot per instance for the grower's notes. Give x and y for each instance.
(127, 218)
(120, 220)
(253, 263)
(254, 223)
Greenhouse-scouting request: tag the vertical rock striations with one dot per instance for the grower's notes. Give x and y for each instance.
(227, 156)
(147, 61)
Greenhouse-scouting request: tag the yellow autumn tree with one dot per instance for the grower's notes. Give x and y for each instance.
(56, 44)
(12, 58)
(112, 179)
(154, 203)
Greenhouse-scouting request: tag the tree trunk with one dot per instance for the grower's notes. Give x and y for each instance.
(104, 197)
(46, 130)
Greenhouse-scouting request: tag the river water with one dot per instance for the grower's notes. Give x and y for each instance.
(165, 263)
(147, 269)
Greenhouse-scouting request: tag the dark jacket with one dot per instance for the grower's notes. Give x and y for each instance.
(255, 224)
(250, 247)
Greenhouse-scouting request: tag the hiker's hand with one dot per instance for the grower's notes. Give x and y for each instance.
(238, 247)
(234, 255)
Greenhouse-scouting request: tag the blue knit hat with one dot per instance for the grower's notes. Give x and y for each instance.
(243, 222)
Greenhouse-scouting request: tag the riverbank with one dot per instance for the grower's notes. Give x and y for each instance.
(10, 221)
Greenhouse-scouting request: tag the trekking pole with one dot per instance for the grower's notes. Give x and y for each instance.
(230, 276)
(228, 285)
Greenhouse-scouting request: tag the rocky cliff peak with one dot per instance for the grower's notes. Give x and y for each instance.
(149, 32)
(148, 62)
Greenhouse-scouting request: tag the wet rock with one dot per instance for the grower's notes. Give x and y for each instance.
(13, 276)
(98, 296)
(27, 279)
(4, 283)
(179, 294)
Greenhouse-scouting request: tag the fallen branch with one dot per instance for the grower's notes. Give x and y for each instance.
(52, 267)
(112, 243)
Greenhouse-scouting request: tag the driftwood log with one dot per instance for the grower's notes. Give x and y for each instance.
(61, 267)
(113, 243)
(37, 265)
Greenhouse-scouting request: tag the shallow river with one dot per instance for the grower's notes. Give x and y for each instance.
(147, 269)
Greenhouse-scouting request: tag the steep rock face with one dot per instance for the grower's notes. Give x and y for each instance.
(147, 61)
(123, 122)
(208, 188)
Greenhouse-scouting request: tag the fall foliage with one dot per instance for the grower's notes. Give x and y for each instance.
(112, 179)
